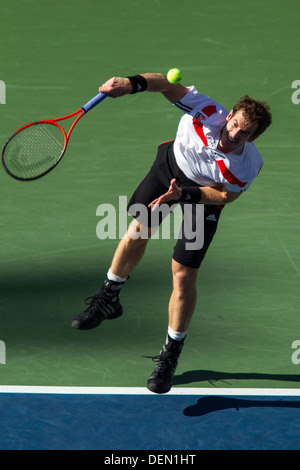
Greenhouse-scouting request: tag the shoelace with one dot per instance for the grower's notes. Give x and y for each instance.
(162, 362)
(101, 299)
(97, 303)
(89, 300)
(94, 303)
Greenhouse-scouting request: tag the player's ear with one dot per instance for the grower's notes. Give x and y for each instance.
(229, 116)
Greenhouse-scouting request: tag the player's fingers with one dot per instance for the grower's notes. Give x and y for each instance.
(154, 203)
(116, 86)
(174, 189)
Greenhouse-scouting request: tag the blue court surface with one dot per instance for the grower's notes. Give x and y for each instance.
(133, 419)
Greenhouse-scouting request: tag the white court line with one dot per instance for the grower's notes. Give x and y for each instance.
(143, 391)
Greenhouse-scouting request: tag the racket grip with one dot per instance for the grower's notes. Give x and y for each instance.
(94, 101)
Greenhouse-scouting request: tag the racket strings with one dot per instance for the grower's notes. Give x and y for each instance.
(34, 150)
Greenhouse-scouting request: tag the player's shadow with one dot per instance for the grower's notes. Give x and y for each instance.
(211, 404)
(212, 377)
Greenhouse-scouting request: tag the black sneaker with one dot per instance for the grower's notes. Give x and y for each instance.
(160, 381)
(104, 305)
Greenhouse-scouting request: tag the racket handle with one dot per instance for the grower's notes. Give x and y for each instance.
(94, 101)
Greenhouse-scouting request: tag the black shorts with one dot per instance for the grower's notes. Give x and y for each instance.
(199, 222)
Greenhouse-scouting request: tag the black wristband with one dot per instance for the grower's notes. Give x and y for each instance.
(191, 194)
(138, 83)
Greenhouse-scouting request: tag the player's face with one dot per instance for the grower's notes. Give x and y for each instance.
(237, 131)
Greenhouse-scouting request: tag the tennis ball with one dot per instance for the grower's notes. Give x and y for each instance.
(174, 76)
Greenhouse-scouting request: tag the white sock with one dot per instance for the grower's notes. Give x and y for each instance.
(176, 335)
(113, 277)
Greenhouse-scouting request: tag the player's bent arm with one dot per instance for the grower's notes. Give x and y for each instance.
(202, 195)
(215, 196)
(207, 195)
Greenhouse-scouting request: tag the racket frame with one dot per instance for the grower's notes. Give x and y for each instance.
(80, 112)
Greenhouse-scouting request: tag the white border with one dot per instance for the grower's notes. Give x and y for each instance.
(144, 391)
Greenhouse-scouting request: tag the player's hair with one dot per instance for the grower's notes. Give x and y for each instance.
(255, 110)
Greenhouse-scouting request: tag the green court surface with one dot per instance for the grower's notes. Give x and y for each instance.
(54, 56)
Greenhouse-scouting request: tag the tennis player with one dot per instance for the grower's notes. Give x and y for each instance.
(212, 161)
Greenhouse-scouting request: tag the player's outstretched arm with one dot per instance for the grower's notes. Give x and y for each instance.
(156, 82)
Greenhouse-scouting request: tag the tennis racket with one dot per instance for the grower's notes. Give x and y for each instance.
(35, 149)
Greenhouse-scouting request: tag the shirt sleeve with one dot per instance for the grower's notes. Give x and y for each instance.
(201, 107)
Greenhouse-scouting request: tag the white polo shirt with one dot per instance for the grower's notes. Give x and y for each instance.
(196, 146)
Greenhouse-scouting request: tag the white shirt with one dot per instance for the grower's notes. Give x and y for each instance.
(196, 146)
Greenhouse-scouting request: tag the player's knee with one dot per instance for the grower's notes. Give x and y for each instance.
(138, 232)
(184, 277)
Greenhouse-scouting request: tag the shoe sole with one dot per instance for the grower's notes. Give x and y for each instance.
(154, 389)
(152, 386)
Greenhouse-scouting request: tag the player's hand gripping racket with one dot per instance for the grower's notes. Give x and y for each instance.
(37, 148)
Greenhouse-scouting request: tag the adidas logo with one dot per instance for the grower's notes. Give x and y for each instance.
(211, 217)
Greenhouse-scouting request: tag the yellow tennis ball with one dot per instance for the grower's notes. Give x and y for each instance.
(174, 76)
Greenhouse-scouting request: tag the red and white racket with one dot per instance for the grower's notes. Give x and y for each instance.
(35, 149)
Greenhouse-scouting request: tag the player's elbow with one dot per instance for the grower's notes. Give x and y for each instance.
(229, 196)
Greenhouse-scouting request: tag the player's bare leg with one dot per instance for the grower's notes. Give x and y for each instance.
(181, 307)
(105, 304)
(183, 299)
(130, 250)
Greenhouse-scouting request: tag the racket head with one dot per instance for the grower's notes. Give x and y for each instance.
(34, 150)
